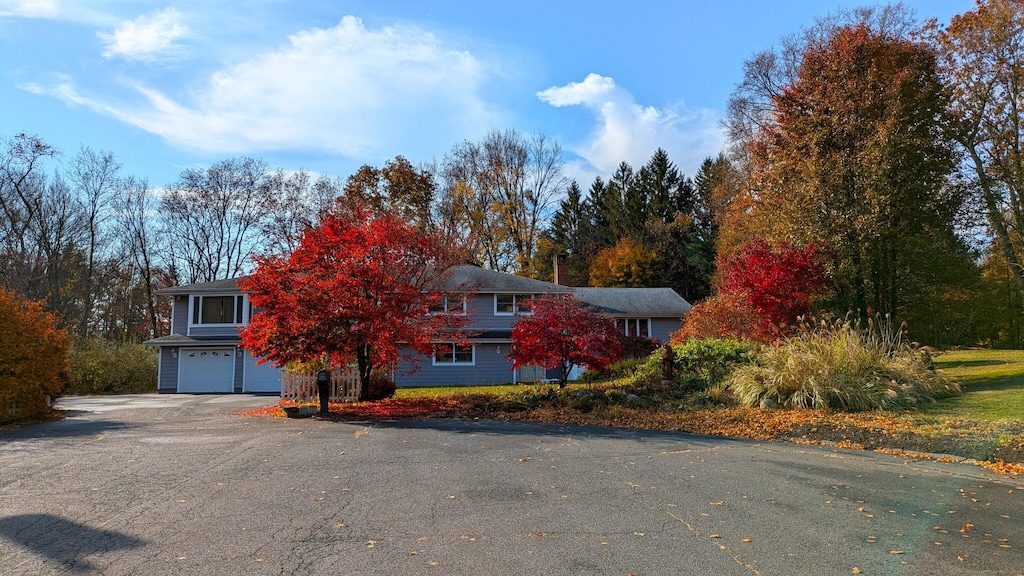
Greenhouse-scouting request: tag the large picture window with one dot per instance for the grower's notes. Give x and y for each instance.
(454, 354)
(217, 309)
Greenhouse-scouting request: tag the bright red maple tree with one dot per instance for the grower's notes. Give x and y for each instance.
(560, 331)
(359, 286)
(777, 281)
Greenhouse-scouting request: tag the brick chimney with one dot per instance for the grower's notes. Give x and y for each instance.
(562, 269)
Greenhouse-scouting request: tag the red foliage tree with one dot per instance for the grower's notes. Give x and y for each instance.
(762, 290)
(359, 285)
(561, 331)
(778, 282)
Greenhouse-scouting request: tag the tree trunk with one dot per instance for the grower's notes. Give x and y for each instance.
(998, 224)
(363, 353)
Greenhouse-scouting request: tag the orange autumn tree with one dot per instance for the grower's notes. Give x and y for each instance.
(33, 357)
(359, 286)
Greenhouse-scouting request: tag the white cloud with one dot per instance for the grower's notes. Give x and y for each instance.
(364, 94)
(29, 8)
(146, 38)
(66, 10)
(627, 131)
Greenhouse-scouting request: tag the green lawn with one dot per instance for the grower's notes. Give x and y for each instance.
(993, 384)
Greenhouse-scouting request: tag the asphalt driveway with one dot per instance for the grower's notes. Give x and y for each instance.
(179, 485)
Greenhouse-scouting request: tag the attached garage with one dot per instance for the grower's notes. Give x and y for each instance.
(206, 370)
(260, 377)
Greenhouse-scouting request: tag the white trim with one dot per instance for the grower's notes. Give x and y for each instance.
(635, 319)
(192, 313)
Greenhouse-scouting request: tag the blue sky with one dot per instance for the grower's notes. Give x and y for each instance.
(330, 85)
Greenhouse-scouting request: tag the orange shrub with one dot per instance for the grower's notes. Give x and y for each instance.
(33, 358)
(724, 316)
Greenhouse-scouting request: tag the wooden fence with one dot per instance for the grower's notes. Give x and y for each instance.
(302, 387)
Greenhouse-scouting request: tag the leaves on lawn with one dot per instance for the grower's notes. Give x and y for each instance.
(919, 435)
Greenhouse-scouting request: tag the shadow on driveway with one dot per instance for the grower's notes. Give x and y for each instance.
(64, 541)
(68, 428)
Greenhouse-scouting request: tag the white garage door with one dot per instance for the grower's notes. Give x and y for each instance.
(206, 370)
(260, 378)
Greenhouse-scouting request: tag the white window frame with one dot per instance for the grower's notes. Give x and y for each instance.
(516, 299)
(192, 310)
(454, 362)
(635, 322)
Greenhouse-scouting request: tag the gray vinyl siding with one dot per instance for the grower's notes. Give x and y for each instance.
(662, 328)
(490, 367)
(481, 314)
(167, 380)
(179, 315)
(231, 330)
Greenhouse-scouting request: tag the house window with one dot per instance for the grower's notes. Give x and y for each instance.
(508, 304)
(454, 303)
(634, 326)
(454, 354)
(217, 309)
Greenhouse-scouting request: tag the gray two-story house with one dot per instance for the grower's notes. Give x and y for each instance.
(202, 354)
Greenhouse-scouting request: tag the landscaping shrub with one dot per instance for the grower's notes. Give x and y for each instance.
(381, 386)
(614, 395)
(621, 369)
(638, 346)
(103, 367)
(724, 316)
(33, 358)
(841, 366)
(699, 363)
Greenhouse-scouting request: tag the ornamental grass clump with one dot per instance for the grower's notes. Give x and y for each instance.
(842, 366)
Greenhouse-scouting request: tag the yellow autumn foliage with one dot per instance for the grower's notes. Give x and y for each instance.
(625, 265)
